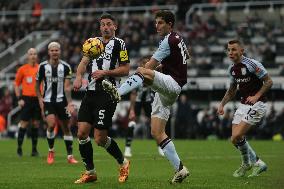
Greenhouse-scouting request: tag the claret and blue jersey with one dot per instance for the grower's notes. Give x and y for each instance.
(248, 76)
(173, 55)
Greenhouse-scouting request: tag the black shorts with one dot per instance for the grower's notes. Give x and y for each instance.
(58, 109)
(97, 108)
(147, 106)
(31, 109)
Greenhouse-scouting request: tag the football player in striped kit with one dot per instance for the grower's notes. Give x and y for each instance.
(97, 107)
(56, 101)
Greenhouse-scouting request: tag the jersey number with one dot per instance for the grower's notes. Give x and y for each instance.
(130, 82)
(251, 113)
(101, 117)
(184, 51)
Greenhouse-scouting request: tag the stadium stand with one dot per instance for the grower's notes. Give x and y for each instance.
(206, 27)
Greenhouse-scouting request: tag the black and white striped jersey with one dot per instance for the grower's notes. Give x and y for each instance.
(53, 80)
(115, 54)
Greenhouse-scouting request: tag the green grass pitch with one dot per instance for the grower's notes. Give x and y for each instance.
(211, 164)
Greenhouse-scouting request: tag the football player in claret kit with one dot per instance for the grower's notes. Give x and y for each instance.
(172, 55)
(56, 101)
(253, 81)
(97, 107)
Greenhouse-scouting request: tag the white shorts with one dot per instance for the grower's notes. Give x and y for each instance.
(167, 91)
(250, 114)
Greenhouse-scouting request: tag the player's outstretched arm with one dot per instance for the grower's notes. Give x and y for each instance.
(122, 70)
(229, 95)
(81, 69)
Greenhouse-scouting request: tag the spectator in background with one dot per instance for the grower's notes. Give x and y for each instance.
(268, 56)
(2, 125)
(278, 128)
(6, 103)
(37, 9)
(225, 125)
(75, 58)
(183, 117)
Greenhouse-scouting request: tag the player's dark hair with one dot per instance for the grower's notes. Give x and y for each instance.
(107, 16)
(167, 16)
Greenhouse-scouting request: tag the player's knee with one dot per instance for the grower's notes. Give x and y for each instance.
(235, 138)
(36, 124)
(23, 124)
(100, 142)
(82, 135)
(51, 124)
(155, 134)
(147, 73)
(66, 130)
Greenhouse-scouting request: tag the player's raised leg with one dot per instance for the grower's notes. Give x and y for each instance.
(133, 82)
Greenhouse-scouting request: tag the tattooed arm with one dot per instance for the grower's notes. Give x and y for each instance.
(267, 84)
(230, 94)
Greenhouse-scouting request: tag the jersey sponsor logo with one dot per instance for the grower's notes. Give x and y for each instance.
(52, 79)
(243, 80)
(123, 55)
(106, 56)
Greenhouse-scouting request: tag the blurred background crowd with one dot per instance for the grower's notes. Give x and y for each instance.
(206, 27)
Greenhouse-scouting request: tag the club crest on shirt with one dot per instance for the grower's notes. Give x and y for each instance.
(60, 73)
(244, 71)
(47, 72)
